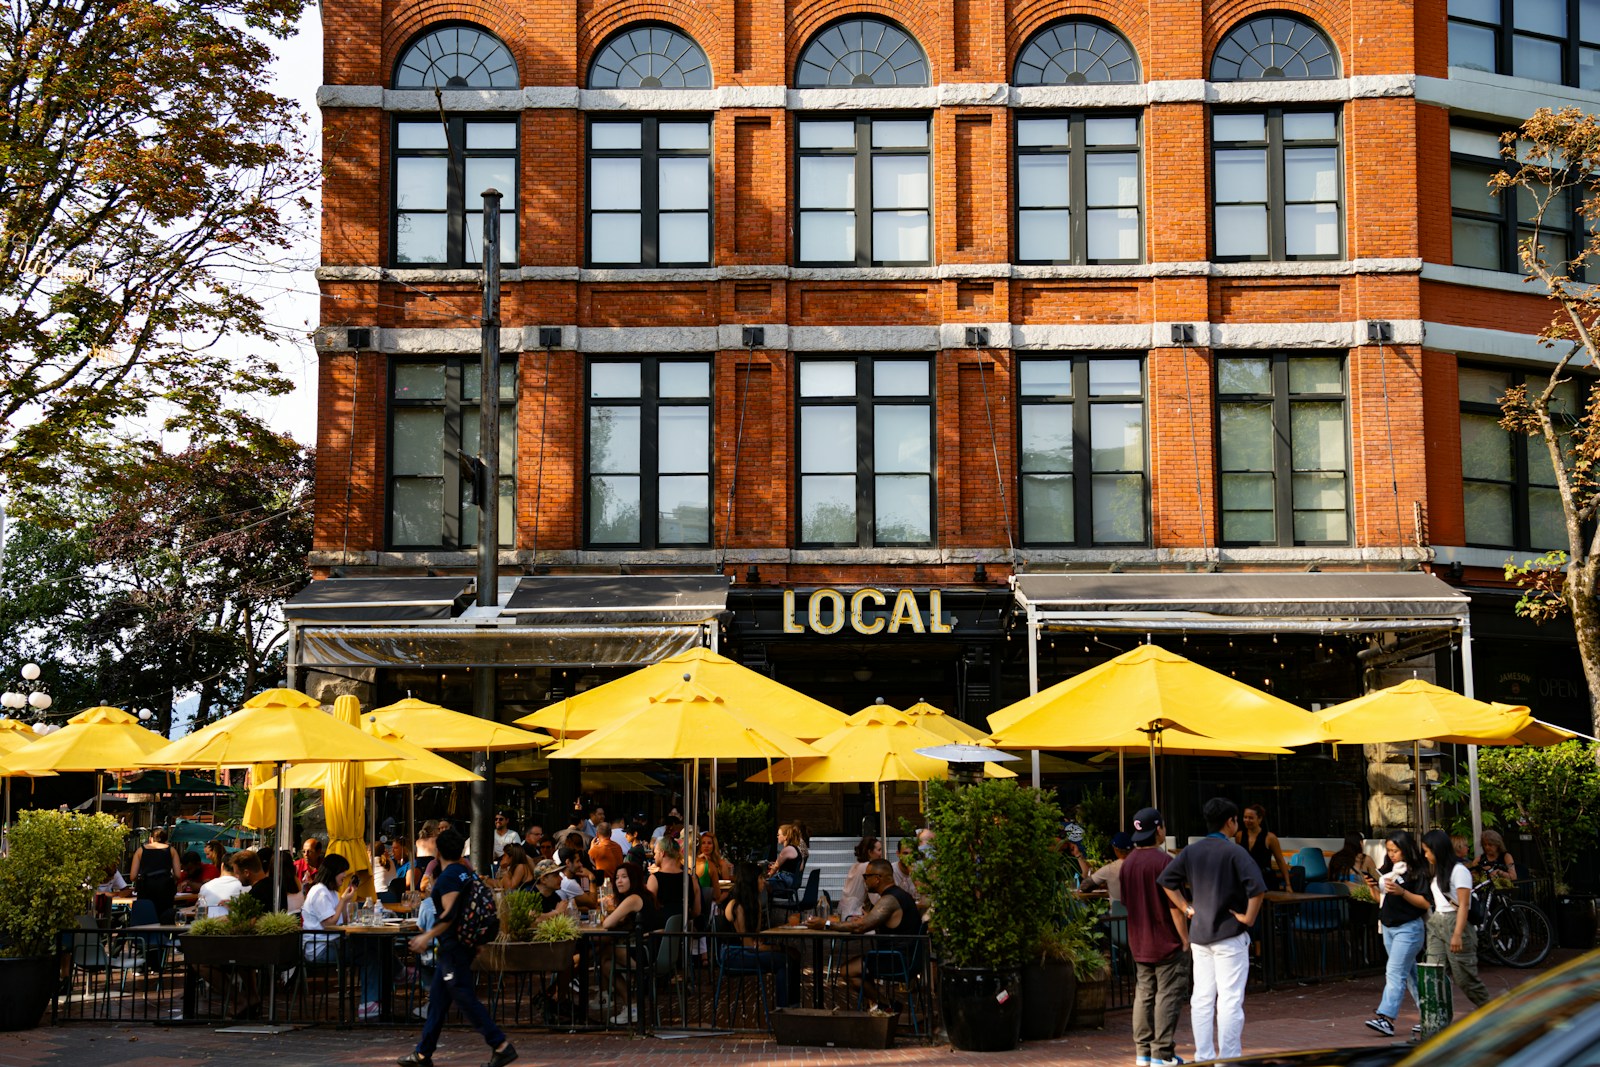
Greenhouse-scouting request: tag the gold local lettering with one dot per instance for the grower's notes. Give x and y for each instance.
(870, 612)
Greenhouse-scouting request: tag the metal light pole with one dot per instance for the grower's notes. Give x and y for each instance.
(487, 472)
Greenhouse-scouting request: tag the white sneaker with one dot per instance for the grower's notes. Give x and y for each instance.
(625, 1016)
(369, 1010)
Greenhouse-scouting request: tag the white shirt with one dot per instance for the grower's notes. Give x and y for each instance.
(620, 836)
(321, 904)
(854, 901)
(501, 840)
(570, 888)
(1460, 878)
(112, 884)
(215, 894)
(381, 874)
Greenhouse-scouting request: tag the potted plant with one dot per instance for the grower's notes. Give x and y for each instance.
(248, 936)
(529, 940)
(1049, 985)
(46, 881)
(991, 881)
(1091, 969)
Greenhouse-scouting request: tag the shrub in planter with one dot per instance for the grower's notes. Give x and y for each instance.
(744, 829)
(994, 884)
(46, 882)
(529, 941)
(248, 936)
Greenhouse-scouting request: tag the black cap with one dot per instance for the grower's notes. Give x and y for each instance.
(1145, 823)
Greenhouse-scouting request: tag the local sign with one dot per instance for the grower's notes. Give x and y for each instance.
(866, 611)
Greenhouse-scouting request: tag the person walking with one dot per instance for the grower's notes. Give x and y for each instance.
(1402, 883)
(1225, 897)
(453, 981)
(1158, 939)
(1452, 940)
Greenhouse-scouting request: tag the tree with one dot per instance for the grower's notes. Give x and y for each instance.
(144, 174)
(1554, 160)
(1553, 793)
(167, 581)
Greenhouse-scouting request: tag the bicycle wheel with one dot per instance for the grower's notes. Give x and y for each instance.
(1501, 936)
(1537, 936)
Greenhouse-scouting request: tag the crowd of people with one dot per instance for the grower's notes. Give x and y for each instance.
(1191, 913)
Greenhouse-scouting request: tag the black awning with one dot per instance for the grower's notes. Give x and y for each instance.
(576, 600)
(379, 600)
(1298, 595)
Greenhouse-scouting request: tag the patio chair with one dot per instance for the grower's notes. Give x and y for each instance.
(1313, 862)
(667, 964)
(736, 961)
(1318, 920)
(785, 904)
(892, 968)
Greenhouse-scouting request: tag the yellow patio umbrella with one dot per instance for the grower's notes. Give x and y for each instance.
(13, 735)
(344, 802)
(452, 731)
(1414, 711)
(1151, 699)
(261, 805)
(1537, 732)
(790, 712)
(93, 741)
(878, 745)
(936, 721)
(280, 726)
(421, 768)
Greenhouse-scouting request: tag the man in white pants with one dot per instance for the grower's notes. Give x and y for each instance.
(1225, 897)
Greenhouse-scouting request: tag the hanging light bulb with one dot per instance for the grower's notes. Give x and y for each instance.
(146, 715)
(30, 672)
(40, 701)
(41, 728)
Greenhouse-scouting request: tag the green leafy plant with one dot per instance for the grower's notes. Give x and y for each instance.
(1455, 793)
(1096, 811)
(519, 914)
(210, 926)
(1082, 935)
(994, 880)
(1361, 894)
(1553, 793)
(48, 879)
(555, 928)
(277, 923)
(744, 829)
(243, 911)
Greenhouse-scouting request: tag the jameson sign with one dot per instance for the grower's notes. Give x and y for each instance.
(866, 611)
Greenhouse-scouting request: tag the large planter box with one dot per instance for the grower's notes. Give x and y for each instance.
(27, 986)
(525, 956)
(241, 950)
(1089, 1002)
(832, 1029)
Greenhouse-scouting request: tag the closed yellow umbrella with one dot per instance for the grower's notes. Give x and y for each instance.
(261, 806)
(344, 800)
(792, 713)
(451, 731)
(936, 721)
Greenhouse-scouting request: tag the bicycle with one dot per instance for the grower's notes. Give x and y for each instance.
(1514, 932)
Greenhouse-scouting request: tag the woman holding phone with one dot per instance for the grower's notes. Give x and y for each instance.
(1402, 881)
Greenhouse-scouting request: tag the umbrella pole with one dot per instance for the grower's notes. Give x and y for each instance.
(689, 836)
(411, 824)
(277, 842)
(5, 840)
(1122, 788)
(100, 789)
(1154, 800)
(1416, 769)
(711, 797)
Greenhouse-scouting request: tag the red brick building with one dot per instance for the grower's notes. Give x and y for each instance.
(877, 297)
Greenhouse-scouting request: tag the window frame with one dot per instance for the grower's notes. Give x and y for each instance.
(455, 210)
(1076, 22)
(1077, 153)
(453, 24)
(649, 153)
(1508, 220)
(1281, 402)
(1572, 43)
(649, 402)
(864, 210)
(1277, 193)
(1082, 402)
(453, 404)
(866, 402)
(1520, 484)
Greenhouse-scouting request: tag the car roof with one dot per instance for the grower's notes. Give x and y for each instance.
(1505, 1030)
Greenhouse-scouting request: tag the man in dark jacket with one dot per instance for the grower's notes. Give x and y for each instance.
(1225, 891)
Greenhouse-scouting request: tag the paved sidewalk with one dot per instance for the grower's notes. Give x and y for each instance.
(1313, 1016)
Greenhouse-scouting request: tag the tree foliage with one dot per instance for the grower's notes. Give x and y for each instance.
(1555, 163)
(1553, 793)
(164, 582)
(47, 878)
(144, 171)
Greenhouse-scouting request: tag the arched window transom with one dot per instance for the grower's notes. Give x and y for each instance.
(1076, 53)
(864, 51)
(1274, 46)
(650, 57)
(456, 57)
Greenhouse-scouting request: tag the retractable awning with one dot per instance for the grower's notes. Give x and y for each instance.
(540, 620)
(1366, 600)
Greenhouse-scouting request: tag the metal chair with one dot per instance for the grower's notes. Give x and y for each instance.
(667, 963)
(737, 961)
(891, 967)
(790, 904)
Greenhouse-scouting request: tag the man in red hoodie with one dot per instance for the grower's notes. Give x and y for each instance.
(1158, 938)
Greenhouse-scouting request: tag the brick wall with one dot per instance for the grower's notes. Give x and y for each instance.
(1396, 203)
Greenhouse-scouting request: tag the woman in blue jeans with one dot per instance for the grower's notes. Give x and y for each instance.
(1403, 882)
(742, 915)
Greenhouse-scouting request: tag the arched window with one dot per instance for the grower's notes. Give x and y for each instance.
(861, 51)
(650, 57)
(456, 57)
(1076, 52)
(1274, 46)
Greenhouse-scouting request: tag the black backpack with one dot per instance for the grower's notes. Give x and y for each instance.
(479, 923)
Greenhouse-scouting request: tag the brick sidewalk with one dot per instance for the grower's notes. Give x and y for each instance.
(1313, 1016)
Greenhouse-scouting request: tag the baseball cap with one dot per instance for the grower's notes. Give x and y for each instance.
(1145, 823)
(544, 867)
(1121, 840)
